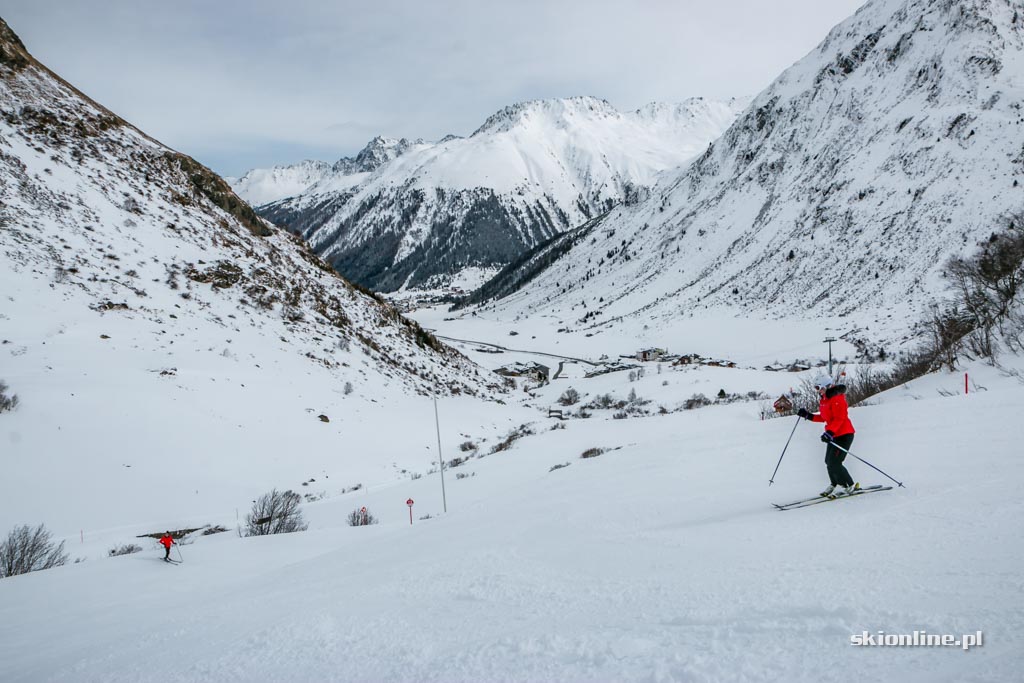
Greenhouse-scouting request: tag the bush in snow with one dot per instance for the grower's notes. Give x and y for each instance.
(28, 550)
(360, 517)
(592, 453)
(696, 401)
(987, 285)
(126, 549)
(511, 438)
(570, 397)
(276, 512)
(558, 467)
(7, 402)
(467, 446)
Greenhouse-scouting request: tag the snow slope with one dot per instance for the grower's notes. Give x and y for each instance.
(530, 171)
(171, 349)
(841, 190)
(662, 560)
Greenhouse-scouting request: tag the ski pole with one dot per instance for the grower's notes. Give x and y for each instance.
(772, 480)
(865, 462)
(178, 546)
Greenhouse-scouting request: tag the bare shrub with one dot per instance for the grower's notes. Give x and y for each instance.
(276, 512)
(466, 446)
(360, 517)
(569, 397)
(210, 530)
(29, 550)
(558, 467)
(7, 402)
(592, 453)
(348, 388)
(986, 286)
(696, 401)
(511, 438)
(126, 549)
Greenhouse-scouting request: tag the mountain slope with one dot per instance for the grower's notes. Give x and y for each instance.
(529, 172)
(841, 190)
(144, 304)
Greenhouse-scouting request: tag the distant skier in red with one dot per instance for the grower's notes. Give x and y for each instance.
(167, 541)
(832, 410)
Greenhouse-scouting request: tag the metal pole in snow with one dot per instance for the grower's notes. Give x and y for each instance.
(440, 459)
(829, 340)
(965, 382)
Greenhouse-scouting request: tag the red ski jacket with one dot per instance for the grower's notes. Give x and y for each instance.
(167, 541)
(832, 411)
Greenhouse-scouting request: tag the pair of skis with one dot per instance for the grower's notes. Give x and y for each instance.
(170, 561)
(807, 502)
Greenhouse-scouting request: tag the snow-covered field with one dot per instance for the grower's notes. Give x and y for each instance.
(661, 560)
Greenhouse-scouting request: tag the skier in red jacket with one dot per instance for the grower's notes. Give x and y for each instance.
(838, 432)
(167, 541)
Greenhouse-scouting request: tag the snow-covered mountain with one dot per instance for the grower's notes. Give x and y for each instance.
(265, 185)
(531, 171)
(147, 310)
(841, 190)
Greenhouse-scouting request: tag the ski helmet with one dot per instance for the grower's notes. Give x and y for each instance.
(822, 382)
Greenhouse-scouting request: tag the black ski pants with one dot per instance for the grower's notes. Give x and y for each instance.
(837, 474)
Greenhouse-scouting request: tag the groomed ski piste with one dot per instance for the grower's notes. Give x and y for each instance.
(661, 559)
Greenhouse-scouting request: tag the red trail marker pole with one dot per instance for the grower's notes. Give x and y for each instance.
(409, 503)
(965, 382)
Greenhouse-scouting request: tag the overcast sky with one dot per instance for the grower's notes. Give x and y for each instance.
(256, 83)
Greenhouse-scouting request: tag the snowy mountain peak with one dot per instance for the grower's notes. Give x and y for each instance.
(559, 112)
(378, 151)
(264, 185)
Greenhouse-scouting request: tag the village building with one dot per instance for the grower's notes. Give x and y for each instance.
(533, 371)
(652, 354)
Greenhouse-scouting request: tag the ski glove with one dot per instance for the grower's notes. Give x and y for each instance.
(827, 437)
(804, 413)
